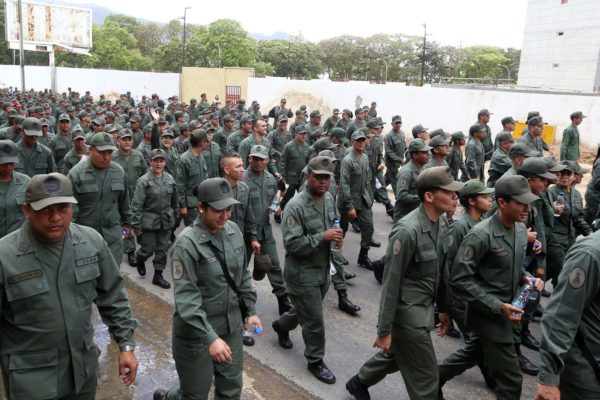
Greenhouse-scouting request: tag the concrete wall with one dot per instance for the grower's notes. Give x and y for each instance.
(565, 62)
(212, 81)
(451, 109)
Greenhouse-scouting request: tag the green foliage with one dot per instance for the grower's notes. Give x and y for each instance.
(292, 58)
(262, 69)
(130, 24)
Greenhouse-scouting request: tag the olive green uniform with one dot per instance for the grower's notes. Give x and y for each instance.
(103, 202)
(72, 158)
(221, 138)
(248, 143)
(212, 159)
(569, 147)
(499, 164)
(307, 267)
(154, 210)
(60, 145)
(395, 147)
(475, 157)
(375, 154)
(189, 171)
(293, 161)
(12, 197)
(456, 163)
(534, 143)
(592, 194)
(37, 160)
(243, 214)
(206, 308)
(573, 307)
(47, 348)
(406, 190)
(487, 143)
(233, 142)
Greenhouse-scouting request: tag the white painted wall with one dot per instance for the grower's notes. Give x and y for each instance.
(450, 109)
(565, 62)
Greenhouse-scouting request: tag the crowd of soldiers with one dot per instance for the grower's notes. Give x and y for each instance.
(131, 172)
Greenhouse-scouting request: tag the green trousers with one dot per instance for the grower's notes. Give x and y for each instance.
(365, 221)
(155, 242)
(338, 279)
(114, 239)
(191, 216)
(196, 370)
(307, 310)
(275, 274)
(377, 367)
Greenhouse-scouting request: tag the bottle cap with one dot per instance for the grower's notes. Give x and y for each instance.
(257, 330)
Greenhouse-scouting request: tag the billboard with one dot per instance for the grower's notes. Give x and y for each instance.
(48, 26)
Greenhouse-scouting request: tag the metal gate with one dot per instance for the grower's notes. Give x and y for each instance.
(233, 93)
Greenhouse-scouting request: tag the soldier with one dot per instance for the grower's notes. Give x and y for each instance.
(508, 126)
(406, 185)
(166, 143)
(501, 161)
(420, 132)
(13, 184)
(277, 111)
(100, 187)
(79, 151)
(533, 138)
(518, 153)
(307, 237)
(395, 147)
(490, 254)
(331, 121)
(182, 142)
(46, 134)
(34, 158)
(134, 164)
(263, 187)
(46, 316)
(207, 324)
(293, 160)
(212, 154)
(440, 147)
(345, 120)
(62, 142)
(483, 118)
(475, 153)
(190, 170)
(315, 122)
(415, 277)
(372, 111)
(569, 147)
(258, 137)
(154, 207)
(234, 140)
(279, 137)
(222, 134)
(357, 123)
(455, 158)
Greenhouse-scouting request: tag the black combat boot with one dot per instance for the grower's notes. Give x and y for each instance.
(284, 304)
(141, 265)
(356, 388)
(132, 258)
(158, 280)
(378, 267)
(345, 304)
(363, 259)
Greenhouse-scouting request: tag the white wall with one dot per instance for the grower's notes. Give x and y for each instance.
(450, 109)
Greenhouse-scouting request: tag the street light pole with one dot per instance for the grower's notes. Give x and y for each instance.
(184, 36)
(219, 47)
(423, 55)
(507, 70)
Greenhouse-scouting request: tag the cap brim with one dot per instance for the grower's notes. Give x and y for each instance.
(6, 160)
(525, 198)
(321, 172)
(223, 204)
(532, 153)
(48, 201)
(454, 186)
(259, 156)
(29, 132)
(485, 191)
(106, 147)
(557, 168)
(582, 171)
(547, 175)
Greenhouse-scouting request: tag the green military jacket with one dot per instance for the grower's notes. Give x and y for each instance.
(395, 147)
(205, 305)
(293, 160)
(279, 140)
(355, 185)
(243, 214)
(233, 142)
(475, 157)
(60, 145)
(574, 306)
(212, 159)
(221, 137)
(569, 147)
(182, 144)
(499, 164)
(375, 153)
(458, 231)
(342, 123)
(262, 190)
(354, 125)
(40, 160)
(46, 330)
(486, 273)
(566, 226)
(307, 253)
(189, 171)
(102, 196)
(434, 163)
(248, 143)
(71, 159)
(145, 149)
(487, 143)
(12, 198)
(456, 163)
(406, 186)
(154, 205)
(172, 157)
(416, 274)
(534, 143)
(329, 124)
(134, 164)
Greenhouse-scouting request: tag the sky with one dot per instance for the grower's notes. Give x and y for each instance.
(449, 22)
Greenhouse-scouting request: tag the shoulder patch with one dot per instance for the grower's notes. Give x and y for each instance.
(577, 277)
(468, 253)
(403, 184)
(396, 247)
(290, 222)
(177, 269)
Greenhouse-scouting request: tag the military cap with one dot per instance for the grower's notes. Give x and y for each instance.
(532, 114)
(396, 118)
(577, 114)
(216, 192)
(535, 121)
(109, 114)
(193, 100)
(202, 120)
(38, 110)
(317, 133)
(194, 124)
(458, 135)
(214, 116)
(536, 166)
(259, 151)
(315, 113)
(323, 144)
(522, 149)
(200, 134)
(102, 141)
(346, 111)
(77, 134)
(439, 140)
(135, 118)
(147, 128)
(438, 177)
(283, 100)
(569, 165)
(64, 117)
(168, 132)
(581, 170)
(162, 121)
(337, 132)
(299, 112)
(505, 136)
(228, 118)
(214, 104)
(32, 126)
(438, 132)
(303, 107)
(417, 144)
(125, 133)
(265, 117)
(483, 111)
(262, 265)
(553, 165)
(282, 118)
(336, 110)
(70, 109)
(328, 153)
(474, 187)
(158, 153)
(241, 101)
(300, 129)
(99, 121)
(358, 111)
(475, 128)
(418, 128)
(43, 190)
(8, 152)
(82, 114)
(358, 134)
(374, 124)
(515, 187)
(184, 127)
(246, 119)
(13, 113)
(507, 120)
(210, 128)
(44, 122)
(321, 166)
(110, 128)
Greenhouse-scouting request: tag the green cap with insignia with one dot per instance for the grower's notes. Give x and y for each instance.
(516, 187)
(536, 166)
(577, 114)
(458, 135)
(505, 137)
(216, 192)
(259, 151)
(522, 149)
(323, 144)
(439, 140)
(438, 178)
(374, 124)
(321, 166)
(200, 134)
(474, 187)
(102, 141)
(418, 144)
(32, 126)
(158, 153)
(358, 134)
(337, 132)
(329, 154)
(123, 133)
(64, 117)
(8, 152)
(553, 165)
(44, 190)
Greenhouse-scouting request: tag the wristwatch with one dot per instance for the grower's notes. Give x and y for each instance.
(127, 347)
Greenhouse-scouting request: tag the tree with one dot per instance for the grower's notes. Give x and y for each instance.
(262, 69)
(292, 57)
(115, 48)
(484, 62)
(148, 37)
(341, 56)
(130, 24)
(167, 57)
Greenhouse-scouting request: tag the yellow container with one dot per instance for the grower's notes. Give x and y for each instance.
(548, 134)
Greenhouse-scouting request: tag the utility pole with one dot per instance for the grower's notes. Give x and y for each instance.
(21, 52)
(423, 55)
(184, 36)
(219, 48)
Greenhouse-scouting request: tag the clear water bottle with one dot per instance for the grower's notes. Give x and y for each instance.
(526, 294)
(275, 203)
(560, 201)
(253, 330)
(336, 225)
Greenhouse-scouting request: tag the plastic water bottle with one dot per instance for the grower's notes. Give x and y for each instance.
(254, 330)
(275, 203)
(526, 294)
(560, 201)
(336, 225)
